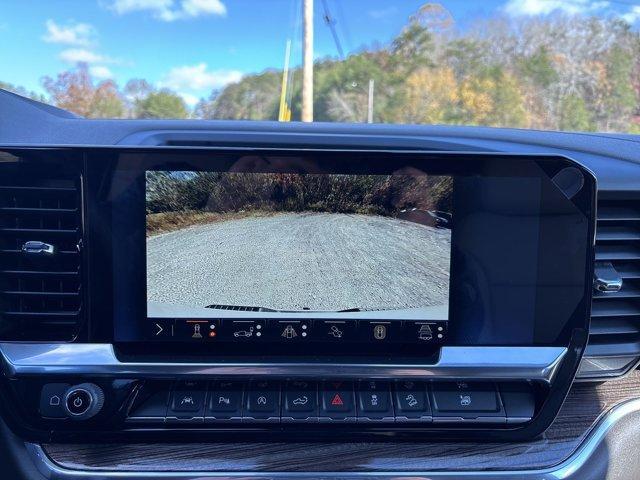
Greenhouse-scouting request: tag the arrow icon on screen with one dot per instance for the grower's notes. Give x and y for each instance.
(160, 329)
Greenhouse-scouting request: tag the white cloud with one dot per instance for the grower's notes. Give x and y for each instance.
(383, 12)
(171, 10)
(190, 100)
(544, 7)
(204, 7)
(127, 6)
(75, 55)
(77, 35)
(100, 72)
(80, 37)
(633, 15)
(197, 78)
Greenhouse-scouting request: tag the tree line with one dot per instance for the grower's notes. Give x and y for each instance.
(559, 72)
(279, 192)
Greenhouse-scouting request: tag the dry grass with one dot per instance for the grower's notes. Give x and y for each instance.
(165, 222)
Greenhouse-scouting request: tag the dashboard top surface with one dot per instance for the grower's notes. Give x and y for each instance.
(51, 126)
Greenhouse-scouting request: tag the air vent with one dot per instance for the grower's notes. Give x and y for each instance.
(614, 336)
(40, 258)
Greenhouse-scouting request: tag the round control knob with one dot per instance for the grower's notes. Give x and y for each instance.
(83, 401)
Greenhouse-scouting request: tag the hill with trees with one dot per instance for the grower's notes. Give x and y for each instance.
(557, 72)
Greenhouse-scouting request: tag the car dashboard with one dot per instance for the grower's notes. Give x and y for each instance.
(320, 356)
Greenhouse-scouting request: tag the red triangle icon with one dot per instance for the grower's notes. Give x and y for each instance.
(337, 400)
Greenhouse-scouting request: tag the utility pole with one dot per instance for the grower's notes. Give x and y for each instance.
(370, 102)
(307, 61)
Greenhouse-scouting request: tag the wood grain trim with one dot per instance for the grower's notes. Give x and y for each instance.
(582, 408)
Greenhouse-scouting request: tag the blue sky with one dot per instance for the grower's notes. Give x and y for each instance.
(193, 46)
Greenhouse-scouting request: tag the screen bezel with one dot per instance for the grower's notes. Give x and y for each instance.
(102, 162)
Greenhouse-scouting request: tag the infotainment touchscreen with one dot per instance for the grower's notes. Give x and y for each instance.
(340, 252)
(297, 243)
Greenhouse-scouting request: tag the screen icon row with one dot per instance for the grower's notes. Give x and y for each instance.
(298, 330)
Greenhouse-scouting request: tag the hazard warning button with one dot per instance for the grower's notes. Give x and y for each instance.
(337, 400)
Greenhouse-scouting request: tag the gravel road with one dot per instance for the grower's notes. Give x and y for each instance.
(321, 261)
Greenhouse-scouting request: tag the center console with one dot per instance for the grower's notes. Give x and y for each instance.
(283, 293)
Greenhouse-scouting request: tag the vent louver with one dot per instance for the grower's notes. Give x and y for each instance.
(614, 335)
(40, 257)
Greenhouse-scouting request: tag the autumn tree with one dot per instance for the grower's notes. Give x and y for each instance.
(432, 96)
(75, 90)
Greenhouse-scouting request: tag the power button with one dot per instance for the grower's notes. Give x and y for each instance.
(83, 401)
(78, 402)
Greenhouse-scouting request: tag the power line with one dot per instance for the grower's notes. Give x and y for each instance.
(342, 22)
(331, 22)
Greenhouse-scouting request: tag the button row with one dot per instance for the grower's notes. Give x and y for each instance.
(333, 401)
(297, 330)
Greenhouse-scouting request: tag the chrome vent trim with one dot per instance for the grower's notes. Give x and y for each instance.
(455, 363)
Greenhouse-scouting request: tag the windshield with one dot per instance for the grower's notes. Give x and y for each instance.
(534, 64)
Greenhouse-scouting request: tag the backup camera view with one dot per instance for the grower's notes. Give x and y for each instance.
(297, 242)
